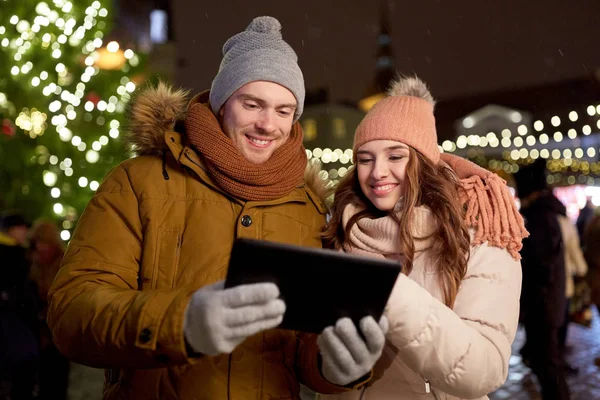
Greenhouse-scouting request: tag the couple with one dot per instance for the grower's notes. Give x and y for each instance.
(140, 291)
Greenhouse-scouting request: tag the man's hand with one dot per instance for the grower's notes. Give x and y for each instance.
(217, 320)
(346, 355)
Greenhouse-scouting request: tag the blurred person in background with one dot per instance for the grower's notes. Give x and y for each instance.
(592, 256)
(543, 302)
(575, 266)
(584, 218)
(46, 250)
(18, 346)
(13, 228)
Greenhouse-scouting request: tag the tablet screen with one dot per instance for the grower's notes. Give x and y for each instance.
(319, 286)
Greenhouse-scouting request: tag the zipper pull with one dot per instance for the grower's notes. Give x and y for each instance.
(427, 386)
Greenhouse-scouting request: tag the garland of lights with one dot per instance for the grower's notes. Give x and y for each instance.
(525, 139)
(562, 163)
(559, 162)
(51, 30)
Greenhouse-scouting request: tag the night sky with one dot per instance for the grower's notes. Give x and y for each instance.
(459, 48)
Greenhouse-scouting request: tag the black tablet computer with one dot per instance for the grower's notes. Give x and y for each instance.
(319, 286)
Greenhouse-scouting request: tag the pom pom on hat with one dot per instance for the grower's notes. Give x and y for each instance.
(411, 86)
(265, 24)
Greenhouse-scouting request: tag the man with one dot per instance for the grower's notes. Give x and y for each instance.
(140, 291)
(543, 301)
(585, 216)
(13, 228)
(18, 346)
(592, 257)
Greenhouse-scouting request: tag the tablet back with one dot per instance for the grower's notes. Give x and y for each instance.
(318, 286)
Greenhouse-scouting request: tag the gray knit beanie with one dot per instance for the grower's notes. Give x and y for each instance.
(257, 54)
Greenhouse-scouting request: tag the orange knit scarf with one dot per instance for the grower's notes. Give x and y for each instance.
(239, 177)
(490, 208)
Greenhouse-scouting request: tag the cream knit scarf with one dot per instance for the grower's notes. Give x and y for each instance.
(380, 237)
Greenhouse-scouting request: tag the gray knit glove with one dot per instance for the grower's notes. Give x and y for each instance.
(217, 320)
(348, 357)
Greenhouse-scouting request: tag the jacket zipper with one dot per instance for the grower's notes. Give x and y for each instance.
(428, 388)
(177, 256)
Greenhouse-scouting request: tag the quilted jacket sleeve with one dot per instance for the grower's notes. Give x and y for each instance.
(463, 351)
(96, 314)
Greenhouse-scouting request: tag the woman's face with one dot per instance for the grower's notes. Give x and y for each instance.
(381, 168)
(44, 252)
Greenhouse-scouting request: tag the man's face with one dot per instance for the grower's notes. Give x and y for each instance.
(19, 233)
(258, 118)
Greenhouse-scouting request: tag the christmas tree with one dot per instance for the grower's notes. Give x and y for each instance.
(63, 97)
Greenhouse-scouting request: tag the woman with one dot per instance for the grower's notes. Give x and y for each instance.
(453, 312)
(46, 252)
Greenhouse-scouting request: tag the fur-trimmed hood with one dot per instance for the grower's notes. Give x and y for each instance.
(156, 109)
(153, 111)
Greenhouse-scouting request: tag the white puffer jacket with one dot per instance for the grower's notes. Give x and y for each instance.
(434, 352)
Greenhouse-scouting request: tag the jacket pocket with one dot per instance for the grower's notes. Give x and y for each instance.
(168, 250)
(285, 229)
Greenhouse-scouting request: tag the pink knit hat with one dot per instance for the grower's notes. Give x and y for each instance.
(406, 116)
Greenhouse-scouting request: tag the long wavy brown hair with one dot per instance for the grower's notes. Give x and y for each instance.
(434, 186)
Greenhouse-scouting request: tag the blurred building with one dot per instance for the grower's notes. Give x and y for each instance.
(145, 25)
(329, 133)
(385, 68)
(329, 127)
